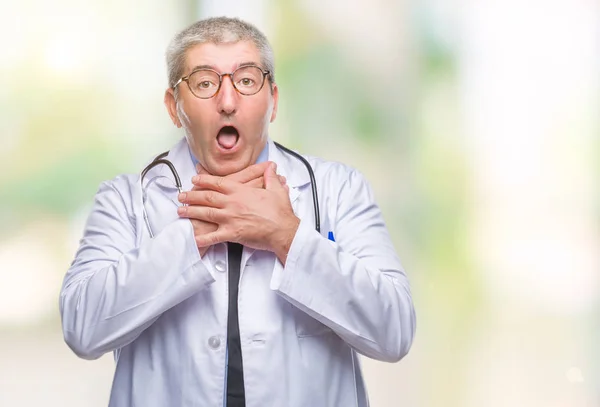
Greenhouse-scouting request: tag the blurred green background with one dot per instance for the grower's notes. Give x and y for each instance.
(476, 123)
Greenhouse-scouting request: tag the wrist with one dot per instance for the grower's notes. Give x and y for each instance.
(283, 241)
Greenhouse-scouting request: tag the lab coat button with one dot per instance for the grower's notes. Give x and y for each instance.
(214, 342)
(220, 266)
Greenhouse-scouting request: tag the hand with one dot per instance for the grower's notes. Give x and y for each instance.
(259, 218)
(251, 176)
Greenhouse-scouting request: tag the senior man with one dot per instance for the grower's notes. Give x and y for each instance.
(231, 271)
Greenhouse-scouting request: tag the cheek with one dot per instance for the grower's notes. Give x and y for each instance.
(263, 114)
(198, 121)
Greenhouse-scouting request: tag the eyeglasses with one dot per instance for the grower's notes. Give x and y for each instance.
(206, 83)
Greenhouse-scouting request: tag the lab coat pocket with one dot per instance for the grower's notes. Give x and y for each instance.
(307, 325)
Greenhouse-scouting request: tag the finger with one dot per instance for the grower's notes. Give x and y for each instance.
(249, 173)
(210, 239)
(256, 183)
(200, 224)
(259, 182)
(272, 179)
(200, 170)
(204, 213)
(204, 198)
(214, 183)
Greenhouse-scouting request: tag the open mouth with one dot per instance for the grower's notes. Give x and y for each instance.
(228, 137)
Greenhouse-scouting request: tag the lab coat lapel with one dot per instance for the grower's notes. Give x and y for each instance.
(296, 176)
(159, 191)
(182, 160)
(180, 157)
(292, 169)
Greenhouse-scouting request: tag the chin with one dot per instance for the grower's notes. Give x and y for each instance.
(227, 168)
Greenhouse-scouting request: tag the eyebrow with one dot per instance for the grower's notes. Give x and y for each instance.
(243, 64)
(248, 64)
(203, 67)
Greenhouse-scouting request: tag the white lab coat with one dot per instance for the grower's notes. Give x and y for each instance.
(162, 309)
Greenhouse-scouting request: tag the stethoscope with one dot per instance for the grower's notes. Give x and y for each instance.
(160, 159)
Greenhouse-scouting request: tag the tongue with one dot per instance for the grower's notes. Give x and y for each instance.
(227, 140)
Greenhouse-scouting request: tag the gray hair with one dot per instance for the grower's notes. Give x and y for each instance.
(216, 30)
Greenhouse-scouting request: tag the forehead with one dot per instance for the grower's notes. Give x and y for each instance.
(222, 57)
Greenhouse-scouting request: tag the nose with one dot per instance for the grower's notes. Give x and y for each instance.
(227, 97)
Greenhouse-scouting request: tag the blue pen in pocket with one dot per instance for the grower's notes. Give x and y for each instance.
(330, 236)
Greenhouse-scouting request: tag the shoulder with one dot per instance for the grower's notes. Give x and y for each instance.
(117, 194)
(336, 174)
(127, 186)
(122, 184)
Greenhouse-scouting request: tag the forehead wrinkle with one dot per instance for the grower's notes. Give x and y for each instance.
(247, 55)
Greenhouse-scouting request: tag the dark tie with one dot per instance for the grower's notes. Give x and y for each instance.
(236, 396)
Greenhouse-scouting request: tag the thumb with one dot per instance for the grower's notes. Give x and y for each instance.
(272, 182)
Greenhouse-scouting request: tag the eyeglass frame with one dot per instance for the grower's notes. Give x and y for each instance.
(221, 75)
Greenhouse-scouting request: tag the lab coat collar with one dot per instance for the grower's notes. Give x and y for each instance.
(179, 155)
(290, 167)
(163, 177)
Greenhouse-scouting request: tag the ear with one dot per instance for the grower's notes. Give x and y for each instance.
(171, 105)
(275, 95)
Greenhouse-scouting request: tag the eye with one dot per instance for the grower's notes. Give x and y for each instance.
(246, 82)
(203, 80)
(205, 84)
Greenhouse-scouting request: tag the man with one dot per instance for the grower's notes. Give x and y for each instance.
(225, 294)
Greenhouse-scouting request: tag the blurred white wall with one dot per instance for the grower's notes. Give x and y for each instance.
(529, 81)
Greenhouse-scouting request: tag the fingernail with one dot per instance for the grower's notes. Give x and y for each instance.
(196, 178)
(182, 196)
(181, 210)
